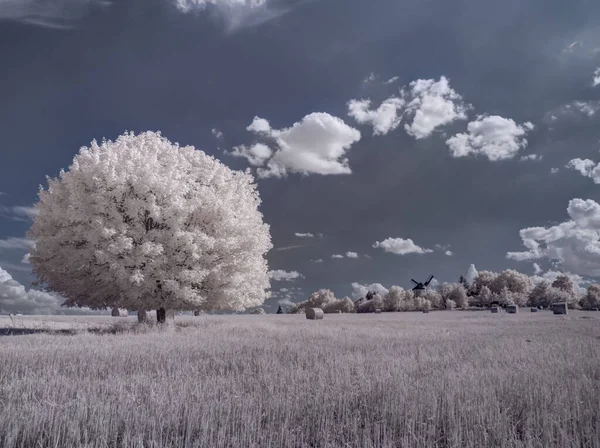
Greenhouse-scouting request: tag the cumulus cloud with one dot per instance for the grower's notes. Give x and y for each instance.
(392, 80)
(370, 78)
(537, 269)
(495, 137)
(25, 259)
(315, 145)
(256, 154)
(337, 256)
(596, 79)
(217, 134)
(449, 253)
(237, 14)
(586, 167)
(48, 13)
(428, 104)
(15, 299)
(471, 274)
(281, 275)
(400, 246)
(573, 244)
(318, 260)
(434, 104)
(384, 119)
(351, 255)
(573, 112)
(304, 235)
(359, 290)
(554, 170)
(530, 157)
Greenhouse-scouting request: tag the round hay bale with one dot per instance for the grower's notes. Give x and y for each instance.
(377, 311)
(119, 312)
(534, 310)
(512, 309)
(495, 309)
(425, 311)
(560, 308)
(314, 313)
(196, 313)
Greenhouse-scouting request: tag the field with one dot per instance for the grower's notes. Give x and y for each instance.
(443, 379)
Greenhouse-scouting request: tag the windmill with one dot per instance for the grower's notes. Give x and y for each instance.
(421, 287)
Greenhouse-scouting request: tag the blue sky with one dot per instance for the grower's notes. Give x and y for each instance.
(485, 105)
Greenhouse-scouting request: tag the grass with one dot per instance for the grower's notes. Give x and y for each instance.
(443, 379)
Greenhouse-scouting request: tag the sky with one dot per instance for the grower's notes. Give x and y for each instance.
(390, 139)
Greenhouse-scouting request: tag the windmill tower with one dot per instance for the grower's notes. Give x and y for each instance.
(421, 287)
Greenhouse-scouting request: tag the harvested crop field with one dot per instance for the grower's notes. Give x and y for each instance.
(445, 379)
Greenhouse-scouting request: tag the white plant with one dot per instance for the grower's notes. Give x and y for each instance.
(141, 223)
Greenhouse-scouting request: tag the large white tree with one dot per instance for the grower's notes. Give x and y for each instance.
(142, 223)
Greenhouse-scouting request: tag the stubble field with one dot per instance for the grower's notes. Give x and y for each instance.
(443, 379)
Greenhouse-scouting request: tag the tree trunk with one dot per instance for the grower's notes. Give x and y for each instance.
(142, 316)
(196, 313)
(161, 315)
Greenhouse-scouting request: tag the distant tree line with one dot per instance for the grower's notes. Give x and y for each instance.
(508, 287)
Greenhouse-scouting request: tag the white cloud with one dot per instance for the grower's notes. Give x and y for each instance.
(16, 243)
(434, 104)
(493, 136)
(281, 275)
(218, 134)
(369, 79)
(15, 299)
(304, 235)
(471, 274)
(256, 155)
(25, 259)
(401, 246)
(318, 260)
(315, 145)
(392, 80)
(449, 253)
(530, 157)
(237, 14)
(586, 167)
(554, 170)
(359, 290)
(295, 246)
(384, 119)
(351, 255)
(48, 13)
(537, 269)
(337, 256)
(573, 244)
(573, 112)
(571, 47)
(596, 80)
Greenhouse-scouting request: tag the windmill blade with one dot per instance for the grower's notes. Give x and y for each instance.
(429, 281)
(414, 281)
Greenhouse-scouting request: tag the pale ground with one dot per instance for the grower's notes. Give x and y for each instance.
(443, 379)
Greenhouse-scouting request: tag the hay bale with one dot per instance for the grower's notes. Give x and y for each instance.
(512, 309)
(534, 310)
(425, 311)
(338, 312)
(377, 311)
(314, 313)
(559, 308)
(119, 312)
(594, 309)
(196, 313)
(495, 309)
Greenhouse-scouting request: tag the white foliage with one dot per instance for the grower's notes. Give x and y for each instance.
(359, 290)
(142, 223)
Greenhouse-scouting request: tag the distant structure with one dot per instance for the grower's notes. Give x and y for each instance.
(421, 287)
(279, 310)
(512, 309)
